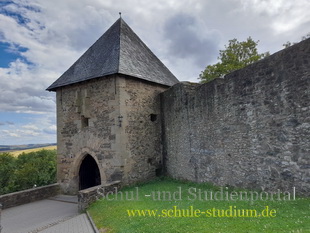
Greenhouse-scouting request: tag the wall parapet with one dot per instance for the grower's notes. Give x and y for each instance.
(29, 195)
(92, 194)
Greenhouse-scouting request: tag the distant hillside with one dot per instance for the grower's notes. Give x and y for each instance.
(19, 152)
(7, 148)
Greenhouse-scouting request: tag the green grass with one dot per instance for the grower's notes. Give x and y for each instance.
(111, 216)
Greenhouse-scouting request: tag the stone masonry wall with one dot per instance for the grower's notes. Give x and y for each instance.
(118, 134)
(96, 100)
(250, 129)
(29, 195)
(141, 145)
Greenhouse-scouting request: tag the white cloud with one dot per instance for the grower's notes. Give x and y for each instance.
(30, 127)
(11, 134)
(40, 129)
(20, 133)
(51, 129)
(285, 16)
(185, 35)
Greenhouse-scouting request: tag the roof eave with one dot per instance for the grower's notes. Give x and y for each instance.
(55, 87)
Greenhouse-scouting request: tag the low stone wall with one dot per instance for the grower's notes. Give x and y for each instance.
(29, 195)
(90, 195)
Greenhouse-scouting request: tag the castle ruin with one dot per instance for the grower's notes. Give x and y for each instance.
(123, 116)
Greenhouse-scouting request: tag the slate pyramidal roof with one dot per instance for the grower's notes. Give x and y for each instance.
(118, 51)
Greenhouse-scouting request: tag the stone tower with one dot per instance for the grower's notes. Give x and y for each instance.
(108, 112)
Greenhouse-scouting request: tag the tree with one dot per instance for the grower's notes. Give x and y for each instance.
(235, 56)
(28, 169)
(7, 168)
(35, 168)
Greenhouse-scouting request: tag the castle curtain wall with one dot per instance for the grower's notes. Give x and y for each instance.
(251, 129)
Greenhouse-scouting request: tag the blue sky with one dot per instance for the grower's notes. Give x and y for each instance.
(21, 121)
(7, 55)
(40, 39)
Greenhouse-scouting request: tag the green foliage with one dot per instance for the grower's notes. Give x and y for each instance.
(235, 56)
(29, 169)
(7, 168)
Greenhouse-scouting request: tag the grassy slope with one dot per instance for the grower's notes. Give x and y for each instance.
(18, 152)
(292, 216)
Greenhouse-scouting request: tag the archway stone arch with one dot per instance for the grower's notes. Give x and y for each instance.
(76, 166)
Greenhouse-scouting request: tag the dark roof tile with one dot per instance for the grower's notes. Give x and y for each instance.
(118, 50)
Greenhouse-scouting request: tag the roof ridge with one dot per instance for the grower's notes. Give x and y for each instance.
(119, 41)
(118, 51)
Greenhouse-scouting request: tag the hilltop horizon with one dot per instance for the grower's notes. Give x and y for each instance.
(25, 146)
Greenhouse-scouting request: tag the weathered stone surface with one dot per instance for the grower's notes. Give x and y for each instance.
(90, 195)
(251, 129)
(29, 195)
(118, 132)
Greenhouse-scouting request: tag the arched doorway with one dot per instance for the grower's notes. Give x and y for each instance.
(89, 173)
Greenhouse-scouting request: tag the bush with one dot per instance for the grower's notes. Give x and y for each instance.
(7, 168)
(28, 169)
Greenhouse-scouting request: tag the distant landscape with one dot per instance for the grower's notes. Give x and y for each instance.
(23, 166)
(16, 153)
(27, 148)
